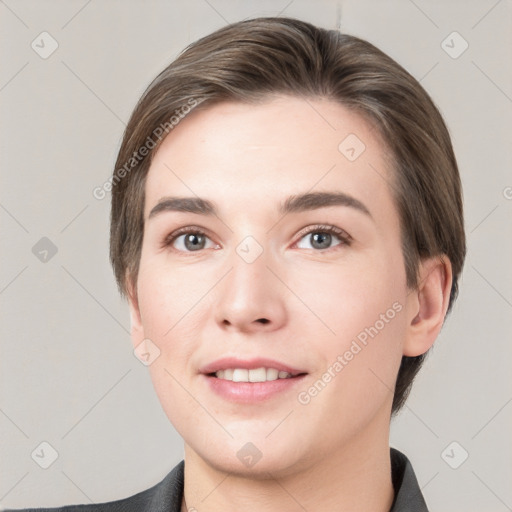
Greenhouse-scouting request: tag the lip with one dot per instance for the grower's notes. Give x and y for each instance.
(251, 392)
(248, 364)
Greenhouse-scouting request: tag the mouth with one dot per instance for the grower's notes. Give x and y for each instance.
(261, 374)
(249, 381)
(253, 370)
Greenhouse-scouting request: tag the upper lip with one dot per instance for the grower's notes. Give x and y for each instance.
(249, 364)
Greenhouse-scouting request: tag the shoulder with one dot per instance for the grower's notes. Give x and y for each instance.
(165, 496)
(408, 494)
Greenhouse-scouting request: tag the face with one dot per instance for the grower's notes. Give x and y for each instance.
(260, 280)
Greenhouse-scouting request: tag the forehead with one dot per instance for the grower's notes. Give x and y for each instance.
(247, 158)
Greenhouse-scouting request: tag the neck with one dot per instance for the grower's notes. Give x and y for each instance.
(355, 477)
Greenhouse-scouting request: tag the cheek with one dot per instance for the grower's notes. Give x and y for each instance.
(360, 325)
(169, 312)
(347, 297)
(170, 316)
(359, 364)
(168, 297)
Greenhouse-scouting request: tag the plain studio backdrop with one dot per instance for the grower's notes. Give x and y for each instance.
(71, 387)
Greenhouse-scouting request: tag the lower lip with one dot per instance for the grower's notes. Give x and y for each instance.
(251, 392)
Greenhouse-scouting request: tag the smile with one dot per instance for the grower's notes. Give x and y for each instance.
(254, 375)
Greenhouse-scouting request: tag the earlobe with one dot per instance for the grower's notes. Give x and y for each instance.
(427, 305)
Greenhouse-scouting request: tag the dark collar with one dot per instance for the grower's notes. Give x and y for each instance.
(408, 497)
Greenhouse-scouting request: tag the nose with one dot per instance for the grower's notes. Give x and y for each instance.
(251, 298)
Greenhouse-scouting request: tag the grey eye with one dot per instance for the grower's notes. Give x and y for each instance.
(318, 239)
(191, 242)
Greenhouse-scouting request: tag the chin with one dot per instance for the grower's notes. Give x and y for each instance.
(253, 455)
(268, 466)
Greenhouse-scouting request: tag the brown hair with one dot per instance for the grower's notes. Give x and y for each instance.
(253, 59)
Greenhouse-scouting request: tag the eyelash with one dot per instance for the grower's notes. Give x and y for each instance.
(342, 235)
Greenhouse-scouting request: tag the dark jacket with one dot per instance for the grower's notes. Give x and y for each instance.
(166, 496)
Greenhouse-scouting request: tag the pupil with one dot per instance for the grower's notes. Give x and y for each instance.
(322, 239)
(193, 241)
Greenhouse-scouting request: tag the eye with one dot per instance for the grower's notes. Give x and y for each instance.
(189, 239)
(321, 236)
(193, 239)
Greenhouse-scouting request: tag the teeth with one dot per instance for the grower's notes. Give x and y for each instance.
(240, 375)
(255, 375)
(272, 374)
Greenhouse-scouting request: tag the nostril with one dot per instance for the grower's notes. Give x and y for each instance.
(263, 320)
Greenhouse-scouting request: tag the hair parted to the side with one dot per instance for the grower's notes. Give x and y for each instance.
(253, 59)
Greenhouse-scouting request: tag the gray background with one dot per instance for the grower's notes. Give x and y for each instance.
(68, 373)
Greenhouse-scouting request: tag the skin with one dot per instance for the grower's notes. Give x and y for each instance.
(198, 306)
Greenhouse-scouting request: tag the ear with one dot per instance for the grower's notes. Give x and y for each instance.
(136, 329)
(427, 305)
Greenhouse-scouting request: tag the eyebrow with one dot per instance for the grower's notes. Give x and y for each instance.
(293, 204)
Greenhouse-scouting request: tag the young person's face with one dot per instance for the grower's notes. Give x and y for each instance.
(257, 285)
